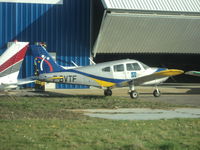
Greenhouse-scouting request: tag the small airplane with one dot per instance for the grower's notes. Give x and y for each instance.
(107, 75)
(193, 73)
(10, 63)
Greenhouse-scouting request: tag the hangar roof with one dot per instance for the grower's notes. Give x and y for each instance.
(154, 5)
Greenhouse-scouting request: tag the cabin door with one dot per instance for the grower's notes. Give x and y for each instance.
(119, 71)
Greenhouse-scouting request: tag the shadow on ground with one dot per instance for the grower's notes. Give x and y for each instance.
(48, 94)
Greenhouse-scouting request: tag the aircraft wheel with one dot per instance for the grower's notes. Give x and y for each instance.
(134, 94)
(156, 93)
(108, 92)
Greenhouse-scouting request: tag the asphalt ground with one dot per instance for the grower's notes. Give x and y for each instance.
(176, 94)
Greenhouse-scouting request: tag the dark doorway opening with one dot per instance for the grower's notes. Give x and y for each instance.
(185, 62)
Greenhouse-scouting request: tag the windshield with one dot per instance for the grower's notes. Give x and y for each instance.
(144, 66)
(133, 67)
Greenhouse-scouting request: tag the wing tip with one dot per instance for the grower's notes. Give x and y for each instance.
(171, 72)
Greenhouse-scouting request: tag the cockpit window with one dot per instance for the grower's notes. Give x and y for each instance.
(144, 66)
(133, 67)
(119, 68)
(106, 69)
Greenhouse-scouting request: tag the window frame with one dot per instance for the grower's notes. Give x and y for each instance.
(116, 70)
(140, 68)
(105, 68)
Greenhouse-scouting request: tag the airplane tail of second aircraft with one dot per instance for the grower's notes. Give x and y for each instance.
(11, 60)
(43, 62)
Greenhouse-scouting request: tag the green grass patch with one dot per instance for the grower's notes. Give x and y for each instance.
(86, 133)
(56, 107)
(46, 123)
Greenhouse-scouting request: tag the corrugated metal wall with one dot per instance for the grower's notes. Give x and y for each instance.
(65, 28)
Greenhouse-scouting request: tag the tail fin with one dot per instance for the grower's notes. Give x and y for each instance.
(43, 61)
(11, 60)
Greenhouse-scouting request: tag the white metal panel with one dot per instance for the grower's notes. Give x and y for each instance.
(34, 1)
(154, 5)
(137, 33)
(51, 85)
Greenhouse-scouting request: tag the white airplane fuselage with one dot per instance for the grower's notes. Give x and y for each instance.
(106, 74)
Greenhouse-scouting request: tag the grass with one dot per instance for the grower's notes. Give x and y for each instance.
(85, 133)
(47, 123)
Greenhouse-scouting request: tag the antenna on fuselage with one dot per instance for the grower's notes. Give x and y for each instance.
(74, 64)
(92, 62)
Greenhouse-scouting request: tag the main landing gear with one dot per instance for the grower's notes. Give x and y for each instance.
(108, 92)
(132, 92)
(156, 93)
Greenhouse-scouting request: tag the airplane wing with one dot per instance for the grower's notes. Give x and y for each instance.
(26, 80)
(19, 82)
(193, 73)
(154, 76)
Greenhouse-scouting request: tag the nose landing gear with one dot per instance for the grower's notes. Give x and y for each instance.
(133, 93)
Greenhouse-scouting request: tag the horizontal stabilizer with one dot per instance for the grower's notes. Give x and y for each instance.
(26, 80)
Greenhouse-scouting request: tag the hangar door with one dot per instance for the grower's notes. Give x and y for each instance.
(147, 26)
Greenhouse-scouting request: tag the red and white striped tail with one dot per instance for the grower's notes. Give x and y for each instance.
(11, 59)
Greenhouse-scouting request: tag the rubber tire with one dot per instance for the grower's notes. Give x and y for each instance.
(108, 92)
(156, 93)
(134, 94)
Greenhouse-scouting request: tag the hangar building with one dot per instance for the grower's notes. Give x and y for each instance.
(157, 32)
(64, 25)
(163, 33)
